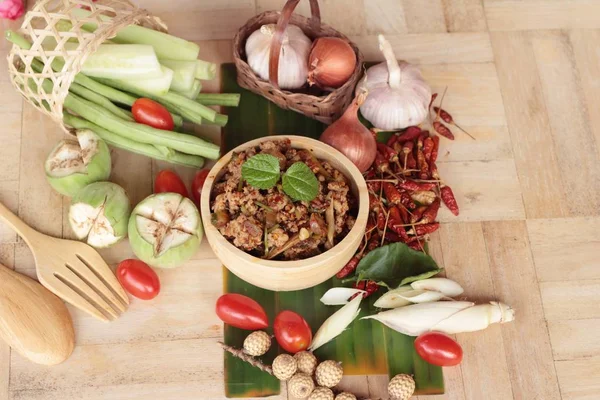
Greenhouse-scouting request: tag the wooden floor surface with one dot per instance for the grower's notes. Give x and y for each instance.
(522, 76)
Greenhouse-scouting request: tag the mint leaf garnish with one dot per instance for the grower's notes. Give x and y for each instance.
(261, 171)
(300, 183)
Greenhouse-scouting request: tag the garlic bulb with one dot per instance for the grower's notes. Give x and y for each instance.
(398, 95)
(293, 59)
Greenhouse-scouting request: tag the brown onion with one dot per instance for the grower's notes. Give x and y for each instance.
(331, 62)
(351, 137)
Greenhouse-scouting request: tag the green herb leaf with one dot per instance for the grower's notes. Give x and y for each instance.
(261, 171)
(300, 183)
(396, 263)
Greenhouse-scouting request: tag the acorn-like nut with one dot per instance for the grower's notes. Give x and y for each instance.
(345, 396)
(321, 393)
(307, 362)
(284, 367)
(301, 385)
(329, 373)
(401, 387)
(257, 343)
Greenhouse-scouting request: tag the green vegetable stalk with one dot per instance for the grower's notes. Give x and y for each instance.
(100, 100)
(185, 143)
(121, 142)
(219, 99)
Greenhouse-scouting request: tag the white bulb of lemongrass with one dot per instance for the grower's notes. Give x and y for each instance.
(398, 95)
(444, 316)
(293, 58)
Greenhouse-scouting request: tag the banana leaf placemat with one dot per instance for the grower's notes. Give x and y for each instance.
(366, 347)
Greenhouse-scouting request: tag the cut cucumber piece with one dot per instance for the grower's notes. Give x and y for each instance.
(193, 92)
(183, 74)
(156, 86)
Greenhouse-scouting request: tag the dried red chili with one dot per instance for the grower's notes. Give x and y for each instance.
(417, 214)
(407, 201)
(403, 214)
(388, 153)
(415, 186)
(447, 118)
(392, 194)
(397, 227)
(392, 139)
(424, 229)
(348, 268)
(434, 150)
(449, 200)
(369, 287)
(411, 163)
(433, 97)
(395, 214)
(381, 163)
(431, 212)
(443, 130)
(422, 165)
(380, 218)
(428, 148)
(410, 133)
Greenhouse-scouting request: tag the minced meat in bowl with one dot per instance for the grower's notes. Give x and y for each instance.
(278, 223)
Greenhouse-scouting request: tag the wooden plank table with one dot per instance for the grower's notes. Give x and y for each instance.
(523, 77)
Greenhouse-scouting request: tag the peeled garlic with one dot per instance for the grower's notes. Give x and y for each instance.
(336, 323)
(398, 95)
(293, 59)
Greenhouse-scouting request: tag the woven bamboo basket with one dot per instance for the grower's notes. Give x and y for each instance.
(40, 28)
(326, 108)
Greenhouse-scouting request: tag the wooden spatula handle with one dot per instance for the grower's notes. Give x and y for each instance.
(27, 233)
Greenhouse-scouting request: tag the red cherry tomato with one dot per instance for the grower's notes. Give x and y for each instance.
(138, 279)
(439, 349)
(149, 112)
(292, 331)
(242, 312)
(197, 184)
(169, 181)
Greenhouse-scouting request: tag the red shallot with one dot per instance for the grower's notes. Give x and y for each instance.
(351, 137)
(331, 62)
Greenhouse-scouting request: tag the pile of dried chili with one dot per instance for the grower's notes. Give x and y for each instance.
(405, 195)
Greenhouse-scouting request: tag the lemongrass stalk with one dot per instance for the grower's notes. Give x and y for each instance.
(205, 70)
(444, 316)
(394, 298)
(100, 100)
(476, 318)
(339, 296)
(446, 286)
(174, 157)
(182, 142)
(336, 323)
(219, 99)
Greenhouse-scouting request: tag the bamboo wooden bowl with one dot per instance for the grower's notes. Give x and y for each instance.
(289, 275)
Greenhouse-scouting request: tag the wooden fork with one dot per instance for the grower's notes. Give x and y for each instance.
(72, 270)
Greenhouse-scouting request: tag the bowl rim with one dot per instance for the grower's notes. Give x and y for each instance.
(307, 263)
